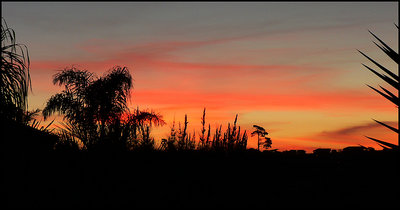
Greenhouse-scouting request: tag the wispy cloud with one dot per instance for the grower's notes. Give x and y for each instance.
(351, 135)
(266, 101)
(357, 129)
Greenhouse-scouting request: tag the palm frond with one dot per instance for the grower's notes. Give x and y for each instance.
(14, 74)
(71, 76)
(60, 102)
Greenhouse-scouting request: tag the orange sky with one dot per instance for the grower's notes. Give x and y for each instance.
(292, 68)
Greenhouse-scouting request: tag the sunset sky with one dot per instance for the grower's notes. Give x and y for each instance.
(292, 68)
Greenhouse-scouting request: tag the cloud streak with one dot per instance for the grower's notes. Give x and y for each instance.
(266, 101)
(351, 135)
(358, 129)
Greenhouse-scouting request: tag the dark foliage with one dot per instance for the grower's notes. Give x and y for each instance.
(14, 76)
(391, 79)
(92, 106)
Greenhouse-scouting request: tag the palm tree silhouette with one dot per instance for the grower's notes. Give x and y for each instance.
(89, 103)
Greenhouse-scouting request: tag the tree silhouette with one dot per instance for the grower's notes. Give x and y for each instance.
(260, 131)
(14, 76)
(391, 79)
(90, 104)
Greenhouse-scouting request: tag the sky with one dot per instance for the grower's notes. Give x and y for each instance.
(292, 68)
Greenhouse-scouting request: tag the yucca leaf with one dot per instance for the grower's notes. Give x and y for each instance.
(389, 93)
(381, 67)
(393, 146)
(389, 51)
(393, 100)
(391, 81)
(388, 126)
(384, 77)
(392, 54)
(384, 147)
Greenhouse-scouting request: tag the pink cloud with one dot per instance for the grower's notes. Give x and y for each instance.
(238, 101)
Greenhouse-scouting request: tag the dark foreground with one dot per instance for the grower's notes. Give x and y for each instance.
(157, 179)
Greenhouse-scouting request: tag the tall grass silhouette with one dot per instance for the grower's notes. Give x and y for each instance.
(232, 139)
(392, 80)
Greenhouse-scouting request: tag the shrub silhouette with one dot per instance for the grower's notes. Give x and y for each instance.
(391, 79)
